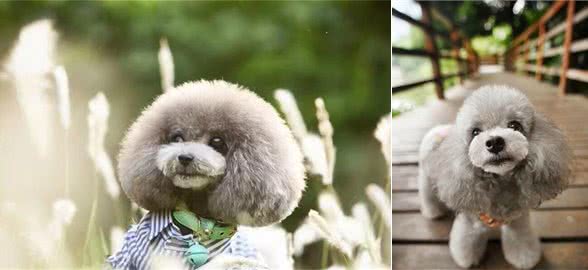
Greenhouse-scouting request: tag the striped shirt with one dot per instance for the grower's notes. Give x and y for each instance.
(157, 235)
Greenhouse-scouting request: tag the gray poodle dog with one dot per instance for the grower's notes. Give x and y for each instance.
(217, 151)
(499, 160)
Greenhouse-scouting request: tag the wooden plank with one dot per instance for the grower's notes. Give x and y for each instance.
(577, 74)
(575, 197)
(549, 225)
(437, 256)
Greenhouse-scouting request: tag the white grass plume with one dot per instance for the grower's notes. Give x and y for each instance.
(28, 65)
(97, 128)
(347, 227)
(382, 202)
(63, 213)
(314, 152)
(327, 233)
(304, 235)
(311, 144)
(326, 131)
(117, 235)
(62, 85)
(272, 244)
(372, 245)
(166, 65)
(289, 107)
(382, 133)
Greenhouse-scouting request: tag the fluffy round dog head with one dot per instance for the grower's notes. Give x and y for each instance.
(502, 156)
(216, 147)
(496, 123)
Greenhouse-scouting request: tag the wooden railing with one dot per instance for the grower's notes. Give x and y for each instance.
(467, 65)
(519, 54)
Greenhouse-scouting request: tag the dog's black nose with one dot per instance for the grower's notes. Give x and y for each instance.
(495, 145)
(185, 159)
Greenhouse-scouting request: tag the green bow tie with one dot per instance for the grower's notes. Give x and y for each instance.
(204, 229)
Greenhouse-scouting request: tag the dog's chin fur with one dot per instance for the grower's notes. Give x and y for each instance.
(192, 181)
(458, 166)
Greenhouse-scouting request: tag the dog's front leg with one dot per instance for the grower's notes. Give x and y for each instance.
(468, 240)
(520, 244)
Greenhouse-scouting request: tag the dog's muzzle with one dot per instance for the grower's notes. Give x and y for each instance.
(498, 150)
(190, 165)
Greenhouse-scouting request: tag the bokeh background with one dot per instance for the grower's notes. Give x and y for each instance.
(339, 51)
(491, 26)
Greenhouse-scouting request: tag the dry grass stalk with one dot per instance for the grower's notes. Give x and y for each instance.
(304, 235)
(347, 227)
(62, 85)
(97, 127)
(63, 212)
(28, 66)
(382, 202)
(362, 215)
(166, 65)
(289, 107)
(117, 235)
(63, 99)
(326, 131)
(327, 232)
(382, 133)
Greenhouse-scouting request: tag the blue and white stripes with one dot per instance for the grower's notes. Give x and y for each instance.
(156, 235)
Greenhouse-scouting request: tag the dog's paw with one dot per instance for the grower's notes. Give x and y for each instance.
(432, 211)
(465, 255)
(523, 258)
(467, 241)
(521, 250)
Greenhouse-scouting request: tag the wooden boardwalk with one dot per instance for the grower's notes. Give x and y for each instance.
(419, 243)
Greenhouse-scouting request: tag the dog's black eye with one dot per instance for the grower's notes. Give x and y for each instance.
(177, 137)
(515, 125)
(475, 132)
(218, 144)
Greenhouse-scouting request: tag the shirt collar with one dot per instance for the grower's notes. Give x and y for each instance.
(157, 222)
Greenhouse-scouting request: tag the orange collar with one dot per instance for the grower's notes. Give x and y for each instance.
(489, 221)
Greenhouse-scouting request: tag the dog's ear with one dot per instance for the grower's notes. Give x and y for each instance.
(264, 176)
(547, 170)
(140, 178)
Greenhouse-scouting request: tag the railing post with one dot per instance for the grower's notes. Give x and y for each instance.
(431, 47)
(539, 61)
(454, 44)
(526, 56)
(514, 58)
(565, 64)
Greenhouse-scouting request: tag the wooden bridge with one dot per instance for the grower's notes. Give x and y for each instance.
(562, 224)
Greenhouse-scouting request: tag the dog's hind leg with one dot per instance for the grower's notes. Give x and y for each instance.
(520, 244)
(431, 206)
(468, 240)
